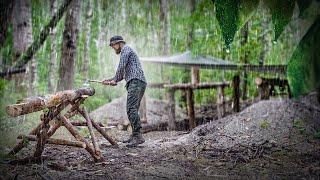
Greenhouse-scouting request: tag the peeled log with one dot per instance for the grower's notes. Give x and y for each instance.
(38, 103)
(55, 141)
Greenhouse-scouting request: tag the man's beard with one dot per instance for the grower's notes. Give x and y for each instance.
(118, 50)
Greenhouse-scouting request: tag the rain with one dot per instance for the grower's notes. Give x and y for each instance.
(232, 89)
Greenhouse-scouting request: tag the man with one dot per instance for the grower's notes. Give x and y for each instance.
(130, 69)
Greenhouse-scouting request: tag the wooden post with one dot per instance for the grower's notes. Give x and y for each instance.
(220, 102)
(143, 109)
(191, 114)
(42, 134)
(78, 137)
(236, 93)
(84, 113)
(195, 75)
(171, 110)
(103, 133)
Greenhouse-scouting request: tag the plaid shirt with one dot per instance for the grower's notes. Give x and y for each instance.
(129, 66)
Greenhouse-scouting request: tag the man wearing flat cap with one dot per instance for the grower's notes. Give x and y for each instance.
(130, 69)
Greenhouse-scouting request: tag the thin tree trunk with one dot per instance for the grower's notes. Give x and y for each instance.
(69, 47)
(5, 18)
(53, 54)
(37, 43)
(165, 23)
(87, 38)
(244, 41)
(22, 37)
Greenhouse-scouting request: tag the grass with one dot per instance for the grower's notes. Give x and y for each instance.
(264, 124)
(299, 125)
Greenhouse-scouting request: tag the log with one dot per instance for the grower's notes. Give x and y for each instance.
(103, 133)
(84, 113)
(78, 137)
(55, 141)
(266, 86)
(82, 123)
(121, 127)
(143, 109)
(129, 129)
(162, 126)
(37, 103)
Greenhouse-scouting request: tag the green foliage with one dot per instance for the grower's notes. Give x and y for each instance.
(303, 5)
(317, 135)
(299, 125)
(264, 124)
(304, 66)
(282, 12)
(246, 10)
(227, 14)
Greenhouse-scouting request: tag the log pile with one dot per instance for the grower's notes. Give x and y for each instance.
(267, 86)
(53, 105)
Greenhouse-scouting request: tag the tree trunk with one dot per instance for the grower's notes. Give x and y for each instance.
(22, 37)
(37, 103)
(53, 54)
(69, 46)
(5, 18)
(165, 23)
(236, 93)
(87, 38)
(244, 42)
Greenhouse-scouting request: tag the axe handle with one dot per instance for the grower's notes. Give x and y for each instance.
(95, 81)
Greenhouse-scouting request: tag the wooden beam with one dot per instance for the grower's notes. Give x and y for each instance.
(82, 123)
(55, 141)
(156, 85)
(185, 86)
(84, 113)
(77, 135)
(279, 69)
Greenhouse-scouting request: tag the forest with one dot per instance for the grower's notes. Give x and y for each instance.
(232, 89)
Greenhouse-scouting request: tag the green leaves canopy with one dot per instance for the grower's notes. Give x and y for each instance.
(304, 65)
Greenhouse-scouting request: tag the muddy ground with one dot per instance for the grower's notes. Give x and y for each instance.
(274, 139)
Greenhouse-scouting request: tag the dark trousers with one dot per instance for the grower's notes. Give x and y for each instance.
(136, 89)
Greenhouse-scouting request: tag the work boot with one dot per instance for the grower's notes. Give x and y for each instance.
(136, 140)
(128, 140)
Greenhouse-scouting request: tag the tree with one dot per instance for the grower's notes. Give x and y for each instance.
(53, 54)
(87, 37)
(5, 17)
(69, 46)
(22, 37)
(164, 30)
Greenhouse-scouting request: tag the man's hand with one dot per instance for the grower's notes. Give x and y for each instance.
(109, 82)
(112, 83)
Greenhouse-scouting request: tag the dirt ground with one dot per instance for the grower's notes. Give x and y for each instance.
(274, 139)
